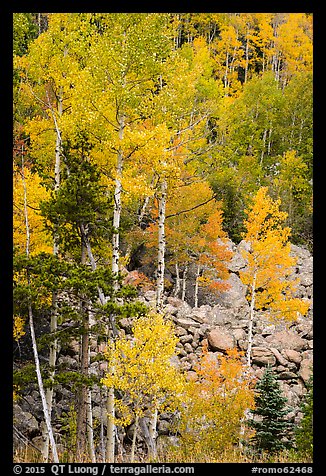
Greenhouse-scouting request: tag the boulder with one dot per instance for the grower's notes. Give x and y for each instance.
(292, 356)
(287, 375)
(305, 369)
(25, 422)
(239, 334)
(262, 356)
(228, 317)
(200, 314)
(220, 339)
(286, 339)
(279, 357)
(237, 261)
(235, 296)
(300, 253)
(186, 338)
(184, 322)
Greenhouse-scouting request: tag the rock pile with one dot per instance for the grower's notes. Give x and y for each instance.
(223, 324)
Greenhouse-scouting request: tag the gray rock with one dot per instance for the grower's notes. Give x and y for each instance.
(25, 422)
(305, 369)
(150, 295)
(188, 348)
(279, 357)
(292, 356)
(286, 339)
(186, 338)
(262, 356)
(200, 314)
(180, 331)
(220, 339)
(184, 322)
(170, 310)
(287, 375)
(234, 297)
(239, 334)
(306, 279)
(300, 253)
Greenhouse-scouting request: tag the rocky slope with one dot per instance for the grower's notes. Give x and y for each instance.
(222, 322)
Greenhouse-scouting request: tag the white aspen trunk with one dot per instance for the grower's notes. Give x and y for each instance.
(247, 58)
(177, 280)
(184, 281)
(269, 141)
(251, 319)
(54, 315)
(90, 432)
(143, 210)
(134, 437)
(41, 388)
(39, 23)
(110, 443)
(110, 409)
(117, 207)
(82, 430)
(226, 73)
(161, 245)
(264, 145)
(300, 133)
(110, 446)
(148, 439)
(196, 286)
(102, 443)
(32, 330)
(153, 425)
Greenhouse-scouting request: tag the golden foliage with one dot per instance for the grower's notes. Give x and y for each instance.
(141, 369)
(18, 329)
(40, 240)
(270, 263)
(215, 404)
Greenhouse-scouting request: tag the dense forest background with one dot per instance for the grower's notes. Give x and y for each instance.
(141, 142)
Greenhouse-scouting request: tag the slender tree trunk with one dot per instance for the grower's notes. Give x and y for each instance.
(226, 83)
(90, 432)
(161, 245)
(269, 140)
(81, 448)
(196, 286)
(102, 442)
(117, 206)
(184, 281)
(177, 280)
(110, 444)
(152, 428)
(134, 438)
(247, 58)
(33, 337)
(110, 409)
(152, 452)
(263, 149)
(251, 319)
(54, 316)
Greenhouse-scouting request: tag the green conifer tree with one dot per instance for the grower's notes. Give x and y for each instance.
(304, 431)
(273, 431)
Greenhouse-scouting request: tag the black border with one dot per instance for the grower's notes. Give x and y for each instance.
(6, 451)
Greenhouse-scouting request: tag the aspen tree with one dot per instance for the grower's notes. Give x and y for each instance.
(270, 264)
(144, 373)
(46, 409)
(47, 71)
